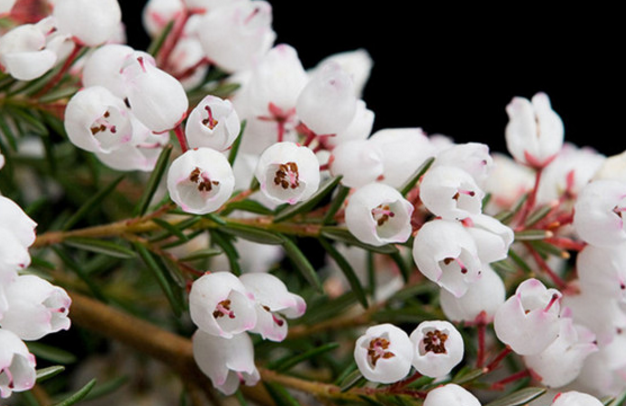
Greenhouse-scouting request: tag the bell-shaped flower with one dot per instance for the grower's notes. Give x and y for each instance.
(492, 238)
(446, 254)
(377, 214)
(15, 220)
(103, 67)
(404, 151)
(158, 13)
(358, 130)
(602, 271)
(23, 51)
(603, 371)
(528, 320)
(574, 398)
(155, 97)
(13, 254)
(220, 305)
(36, 308)
(17, 365)
(484, 296)
(213, 123)
(561, 362)
(327, 104)
(136, 157)
(91, 23)
(450, 394)
(507, 183)
(237, 35)
(613, 167)
(187, 60)
(451, 193)
(273, 301)
(384, 353)
(472, 157)
(534, 134)
(288, 173)
(438, 348)
(228, 362)
(599, 312)
(599, 213)
(97, 121)
(200, 180)
(358, 64)
(359, 162)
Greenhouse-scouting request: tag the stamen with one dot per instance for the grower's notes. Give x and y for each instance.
(435, 342)
(382, 213)
(141, 63)
(287, 176)
(449, 260)
(209, 122)
(377, 351)
(203, 181)
(460, 192)
(553, 300)
(251, 15)
(223, 309)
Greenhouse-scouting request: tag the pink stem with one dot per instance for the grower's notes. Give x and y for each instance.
(66, 66)
(182, 140)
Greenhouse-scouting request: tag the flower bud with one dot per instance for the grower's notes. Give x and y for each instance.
(377, 214)
(450, 394)
(226, 361)
(17, 365)
(574, 398)
(200, 181)
(358, 162)
(220, 305)
(288, 173)
(104, 65)
(158, 13)
(15, 220)
(213, 123)
(91, 22)
(358, 64)
(534, 134)
(602, 271)
(492, 238)
(451, 193)
(438, 348)
(599, 211)
(446, 254)
(472, 157)
(359, 128)
(384, 353)
(527, 321)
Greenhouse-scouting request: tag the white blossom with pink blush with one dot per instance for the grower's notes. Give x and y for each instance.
(528, 320)
(446, 254)
(359, 162)
(486, 295)
(237, 35)
(220, 305)
(288, 173)
(472, 157)
(158, 13)
(378, 214)
(574, 398)
(228, 362)
(384, 353)
(534, 134)
(104, 66)
(15, 220)
(449, 395)
(358, 64)
(602, 271)
(438, 347)
(327, 104)
(91, 23)
(17, 365)
(599, 213)
(213, 123)
(492, 238)
(13, 254)
(273, 301)
(36, 308)
(451, 193)
(358, 130)
(200, 181)
(136, 157)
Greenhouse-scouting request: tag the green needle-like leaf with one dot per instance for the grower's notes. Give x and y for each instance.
(252, 234)
(343, 235)
(78, 396)
(49, 353)
(308, 205)
(302, 264)
(280, 395)
(518, 398)
(347, 270)
(158, 42)
(235, 147)
(91, 204)
(408, 185)
(336, 203)
(100, 247)
(229, 249)
(47, 373)
(154, 181)
(286, 363)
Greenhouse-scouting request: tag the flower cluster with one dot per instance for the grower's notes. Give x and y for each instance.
(225, 308)
(30, 307)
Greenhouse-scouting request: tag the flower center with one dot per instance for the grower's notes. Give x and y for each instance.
(102, 124)
(223, 309)
(377, 351)
(449, 260)
(382, 213)
(210, 122)
(202, 180)
(276, 320)
(287, 176)
(434, 341)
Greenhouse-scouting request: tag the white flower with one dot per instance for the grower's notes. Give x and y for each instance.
(438, 348)
(158, 13)
(358, 64)
(574, 398)
(97, 121)
(359, 162)
(17, 365)
(599, 211)
(492, 238)
(6, 6)
(450, 395)
(104, 65)
(13, 218)
(446, 254)
(602, 271)
(200, 181)
(237, 35)
(220, 305)
(288, 173)
(36, 308)
(358, 130)
(472, 157)
(534, 134)
(527, 321)
(272, 301)
(226, 361)
(213, 123)
(377, 214)
(92, 23)
(451, 193)
(384, 353)
(13, 254)
(327, 104)
(484, 295)
(136, 157)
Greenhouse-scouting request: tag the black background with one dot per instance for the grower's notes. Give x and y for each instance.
(452, 71)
